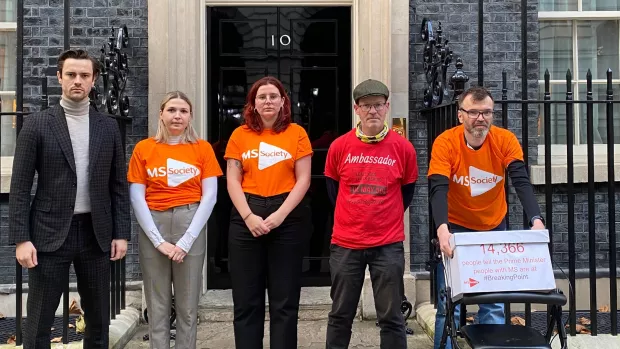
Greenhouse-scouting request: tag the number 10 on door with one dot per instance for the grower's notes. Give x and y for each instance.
(285, 40)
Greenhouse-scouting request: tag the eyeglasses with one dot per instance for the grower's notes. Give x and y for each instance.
(272, 97)
(474, 114)
(367, 107)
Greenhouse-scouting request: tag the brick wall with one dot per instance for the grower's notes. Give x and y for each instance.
(502, 50)
(91, 26)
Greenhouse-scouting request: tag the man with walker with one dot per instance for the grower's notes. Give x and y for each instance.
(466, 176)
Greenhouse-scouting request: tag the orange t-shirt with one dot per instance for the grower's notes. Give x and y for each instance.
(268, 158)
(172, 174)
(476, 196)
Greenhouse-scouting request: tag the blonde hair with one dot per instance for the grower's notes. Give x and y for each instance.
(189, 135)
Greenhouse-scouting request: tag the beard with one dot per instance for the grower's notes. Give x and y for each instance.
(479, 130)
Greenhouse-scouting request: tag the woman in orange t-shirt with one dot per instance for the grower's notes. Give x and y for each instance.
(268, 174)
(173, 189)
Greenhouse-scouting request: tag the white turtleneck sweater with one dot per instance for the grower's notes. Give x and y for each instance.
(77, 117)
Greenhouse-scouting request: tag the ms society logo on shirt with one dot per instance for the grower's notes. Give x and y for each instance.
(478, 181)
(267, 154)
(177, 172)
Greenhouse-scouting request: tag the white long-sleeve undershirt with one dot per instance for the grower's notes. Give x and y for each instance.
(137, 194)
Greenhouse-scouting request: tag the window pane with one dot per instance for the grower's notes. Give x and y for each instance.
(8, 11)
(599, 92)
(558, 5)
(7, 61)
(601, 5)
(557, 117)
(556, 48)
(597, 48)
(7, 124)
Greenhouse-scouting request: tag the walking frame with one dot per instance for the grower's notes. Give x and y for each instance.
(500, 336)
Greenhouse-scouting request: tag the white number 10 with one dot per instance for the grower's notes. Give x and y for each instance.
(283, 38)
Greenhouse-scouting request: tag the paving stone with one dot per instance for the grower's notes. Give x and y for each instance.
(311, 335)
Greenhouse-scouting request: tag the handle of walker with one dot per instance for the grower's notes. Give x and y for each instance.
(436, 258)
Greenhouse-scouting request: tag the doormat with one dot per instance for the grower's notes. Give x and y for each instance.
(7, 329)
(539, 321)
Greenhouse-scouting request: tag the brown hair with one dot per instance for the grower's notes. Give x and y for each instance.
(78, 54)
(251, 116)
(189, 135)
(477, 93)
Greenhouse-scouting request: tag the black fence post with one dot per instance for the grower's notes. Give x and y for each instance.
(548, 184)
(505, 125)
(524, 96)
(547, 141)
(480, 42)
(65, 295)
(67, 22)
(19, 122)
(430, 266)
(611, 202)
(591, 221)
(44, 96)
(507, 306)
(570, 128)
(18, 303)
(459, 78)
(19, 78)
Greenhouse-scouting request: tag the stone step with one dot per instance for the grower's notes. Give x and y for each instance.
(217, 305)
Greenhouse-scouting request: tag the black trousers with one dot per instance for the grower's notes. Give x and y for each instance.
(386, 265)
(49, 278)
(271, 261)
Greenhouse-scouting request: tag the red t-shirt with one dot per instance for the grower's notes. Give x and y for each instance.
(369, 207)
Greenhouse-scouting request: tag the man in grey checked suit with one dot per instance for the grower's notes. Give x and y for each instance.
(80, 211)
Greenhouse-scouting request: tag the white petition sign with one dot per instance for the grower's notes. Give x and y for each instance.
(499, 261)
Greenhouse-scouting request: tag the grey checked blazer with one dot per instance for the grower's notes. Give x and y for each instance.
(44, 145)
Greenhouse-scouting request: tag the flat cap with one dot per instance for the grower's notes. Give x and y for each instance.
(370, 87)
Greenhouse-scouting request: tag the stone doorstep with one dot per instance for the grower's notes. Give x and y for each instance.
(425, 315)
(315, 302)
(217, 305)
(122, 330)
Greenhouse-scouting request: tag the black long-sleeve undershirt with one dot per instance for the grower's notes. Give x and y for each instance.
(520, 181)
(407, 191)
(438, 192)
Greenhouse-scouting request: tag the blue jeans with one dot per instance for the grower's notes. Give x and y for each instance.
(487, 314)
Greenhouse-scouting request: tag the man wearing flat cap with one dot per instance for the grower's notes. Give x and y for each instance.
(371, 173)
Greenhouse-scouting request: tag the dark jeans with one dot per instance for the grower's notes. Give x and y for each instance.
(49, 278)
(386, 265)
(273, 261)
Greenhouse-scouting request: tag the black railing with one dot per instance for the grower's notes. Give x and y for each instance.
(443, 117)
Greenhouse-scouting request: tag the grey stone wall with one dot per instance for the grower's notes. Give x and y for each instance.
(502, 51)
(91, 26)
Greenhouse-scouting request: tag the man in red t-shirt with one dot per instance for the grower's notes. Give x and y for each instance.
(371, 173)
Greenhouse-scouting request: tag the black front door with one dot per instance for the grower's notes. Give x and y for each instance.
(309, 50)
